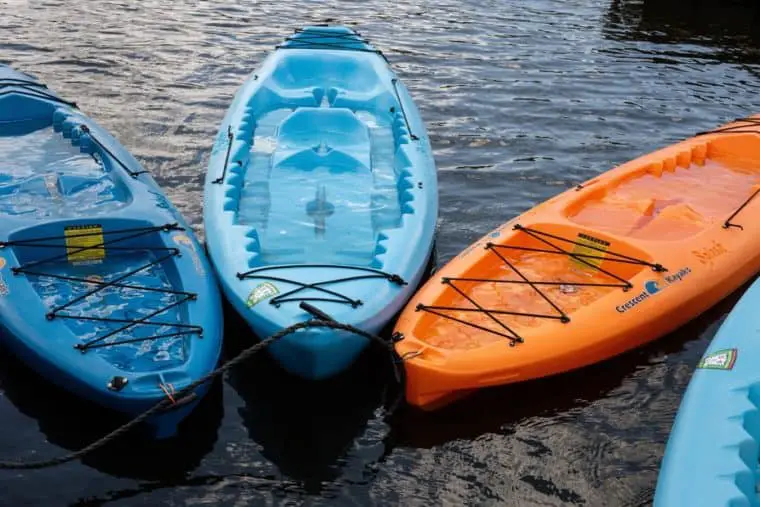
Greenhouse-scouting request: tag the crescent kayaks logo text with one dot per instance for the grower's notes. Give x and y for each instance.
(652, 288)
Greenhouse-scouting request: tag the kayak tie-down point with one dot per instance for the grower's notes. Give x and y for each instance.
(226, 162)
(738, 126)
(314, 38)
(85, 130)
(32, 90)
(728, 223)
(277, 299)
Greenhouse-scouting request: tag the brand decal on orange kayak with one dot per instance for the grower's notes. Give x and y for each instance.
(652, 288)
(705, 255)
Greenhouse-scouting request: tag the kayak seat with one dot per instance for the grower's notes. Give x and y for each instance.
(338, 80)
(45, 175)
(272, 95)
(673, 221)
(331, 132)
(675, 197)
(325, 70)
(341, 143)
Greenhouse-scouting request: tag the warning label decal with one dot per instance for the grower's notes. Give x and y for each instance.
(82, 243)
(589, 245)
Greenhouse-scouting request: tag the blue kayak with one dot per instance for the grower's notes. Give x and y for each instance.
(713, 452)
(321, 197)
(103, 288)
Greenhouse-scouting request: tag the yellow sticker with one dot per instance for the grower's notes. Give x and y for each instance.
(2, 262)
(589, 245)
(84, 236)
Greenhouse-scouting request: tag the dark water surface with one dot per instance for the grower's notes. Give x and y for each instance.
(522, 100)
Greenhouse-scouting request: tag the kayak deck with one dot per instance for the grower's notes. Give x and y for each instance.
(323, 177)
(102, 290)
(148, 293)
(713, 448)
(669, 200)
(598, 270)
(321, 189)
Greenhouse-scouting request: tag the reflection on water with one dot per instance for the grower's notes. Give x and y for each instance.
(522, 100)
(314, 432)
(48, 421)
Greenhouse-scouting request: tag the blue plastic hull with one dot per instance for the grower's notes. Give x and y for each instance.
(322, 174)
(103, 288)
(712, 457)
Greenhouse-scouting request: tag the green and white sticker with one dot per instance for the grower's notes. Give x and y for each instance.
(261, 292)
(719, 360)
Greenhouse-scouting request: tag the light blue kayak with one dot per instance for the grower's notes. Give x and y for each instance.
(103, 288)
(321, 197)
(712, 457)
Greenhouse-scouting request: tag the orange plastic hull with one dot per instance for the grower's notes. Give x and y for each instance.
(578, 279)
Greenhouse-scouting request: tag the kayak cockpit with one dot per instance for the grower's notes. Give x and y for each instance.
(678, 196)
(49, 170)
(325, 138)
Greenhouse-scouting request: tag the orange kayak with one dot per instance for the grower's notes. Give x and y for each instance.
(614, 263)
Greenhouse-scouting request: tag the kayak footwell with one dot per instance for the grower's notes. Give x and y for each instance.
(326, 174)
